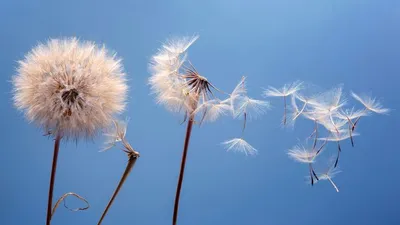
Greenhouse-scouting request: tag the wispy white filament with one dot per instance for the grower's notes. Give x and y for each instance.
(240, 145)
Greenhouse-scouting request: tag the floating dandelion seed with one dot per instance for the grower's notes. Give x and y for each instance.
(117, 134)
(250, 108)
(303, 155)
(328, 175)
(239, 91)
(71, 89)
(240, 145)
(370, 104)
(285, 91)
(306, 155)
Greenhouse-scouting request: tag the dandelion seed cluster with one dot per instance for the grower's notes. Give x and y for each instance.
(70, 86)
(327, 110)
(180, 88)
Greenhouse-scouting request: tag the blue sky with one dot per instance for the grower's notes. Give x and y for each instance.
(325, 43)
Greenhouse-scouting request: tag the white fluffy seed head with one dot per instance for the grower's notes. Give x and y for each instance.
(166, 79)
(70, 87)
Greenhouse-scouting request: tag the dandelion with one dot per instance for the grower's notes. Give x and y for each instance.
(306, 155)
(239, 91)
(181, 89)
(370, 104)
(251, 108)
(240, 145)
(329, 174)
(117, 134)
(70, 88)
(285, 91)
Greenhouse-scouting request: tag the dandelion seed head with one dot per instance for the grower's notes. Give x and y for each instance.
(169, 76)
(70, 86)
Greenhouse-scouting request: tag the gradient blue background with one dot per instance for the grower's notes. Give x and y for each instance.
(272, 42)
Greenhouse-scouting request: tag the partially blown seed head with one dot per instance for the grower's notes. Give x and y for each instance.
(70, 86)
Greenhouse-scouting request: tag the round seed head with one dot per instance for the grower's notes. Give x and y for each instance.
(70, 87)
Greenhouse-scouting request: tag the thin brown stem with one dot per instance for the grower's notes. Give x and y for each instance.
(338, 154)
(244, 122)
(53, 177)
(313, 172)
(316, 133)
(182, 169)
(351, 136)
(128, 169)
(357, 120)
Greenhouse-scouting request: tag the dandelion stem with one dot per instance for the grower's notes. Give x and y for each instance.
(52, 177)
(182, 169)
(128, 169)
(333, 184)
